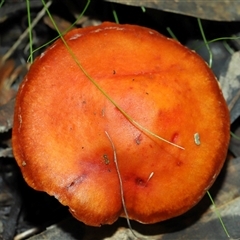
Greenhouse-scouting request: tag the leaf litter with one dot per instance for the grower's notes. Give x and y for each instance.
(227, 194)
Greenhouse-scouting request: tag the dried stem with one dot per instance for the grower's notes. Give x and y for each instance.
(120, 183)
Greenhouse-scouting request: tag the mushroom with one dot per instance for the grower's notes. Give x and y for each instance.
(169, 126)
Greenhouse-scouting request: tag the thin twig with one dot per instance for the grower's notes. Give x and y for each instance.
(28, 233)
(120, 183)
(25, 33)
(234, 101)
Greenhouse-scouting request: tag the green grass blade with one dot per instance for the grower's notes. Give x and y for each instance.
(206, 42)
(30, 31)
(218, 214)
(1, 3)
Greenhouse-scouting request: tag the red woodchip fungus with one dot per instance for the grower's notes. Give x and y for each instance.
(62, 120)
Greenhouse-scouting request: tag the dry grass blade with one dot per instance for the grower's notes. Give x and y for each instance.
(120, 183)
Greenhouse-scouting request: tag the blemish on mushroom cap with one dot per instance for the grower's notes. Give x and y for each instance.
(172, 75)
(197, 139)
(42, 54)
(76, 36)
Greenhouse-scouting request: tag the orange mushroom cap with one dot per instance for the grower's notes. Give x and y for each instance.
(61, 120)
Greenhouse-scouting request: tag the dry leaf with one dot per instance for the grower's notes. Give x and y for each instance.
(6, 93)
(6, 116)
(230, 84)
(227, 10)
(61, 23)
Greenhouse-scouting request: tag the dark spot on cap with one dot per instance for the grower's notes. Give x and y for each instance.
(138, 139)
(140, 181)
